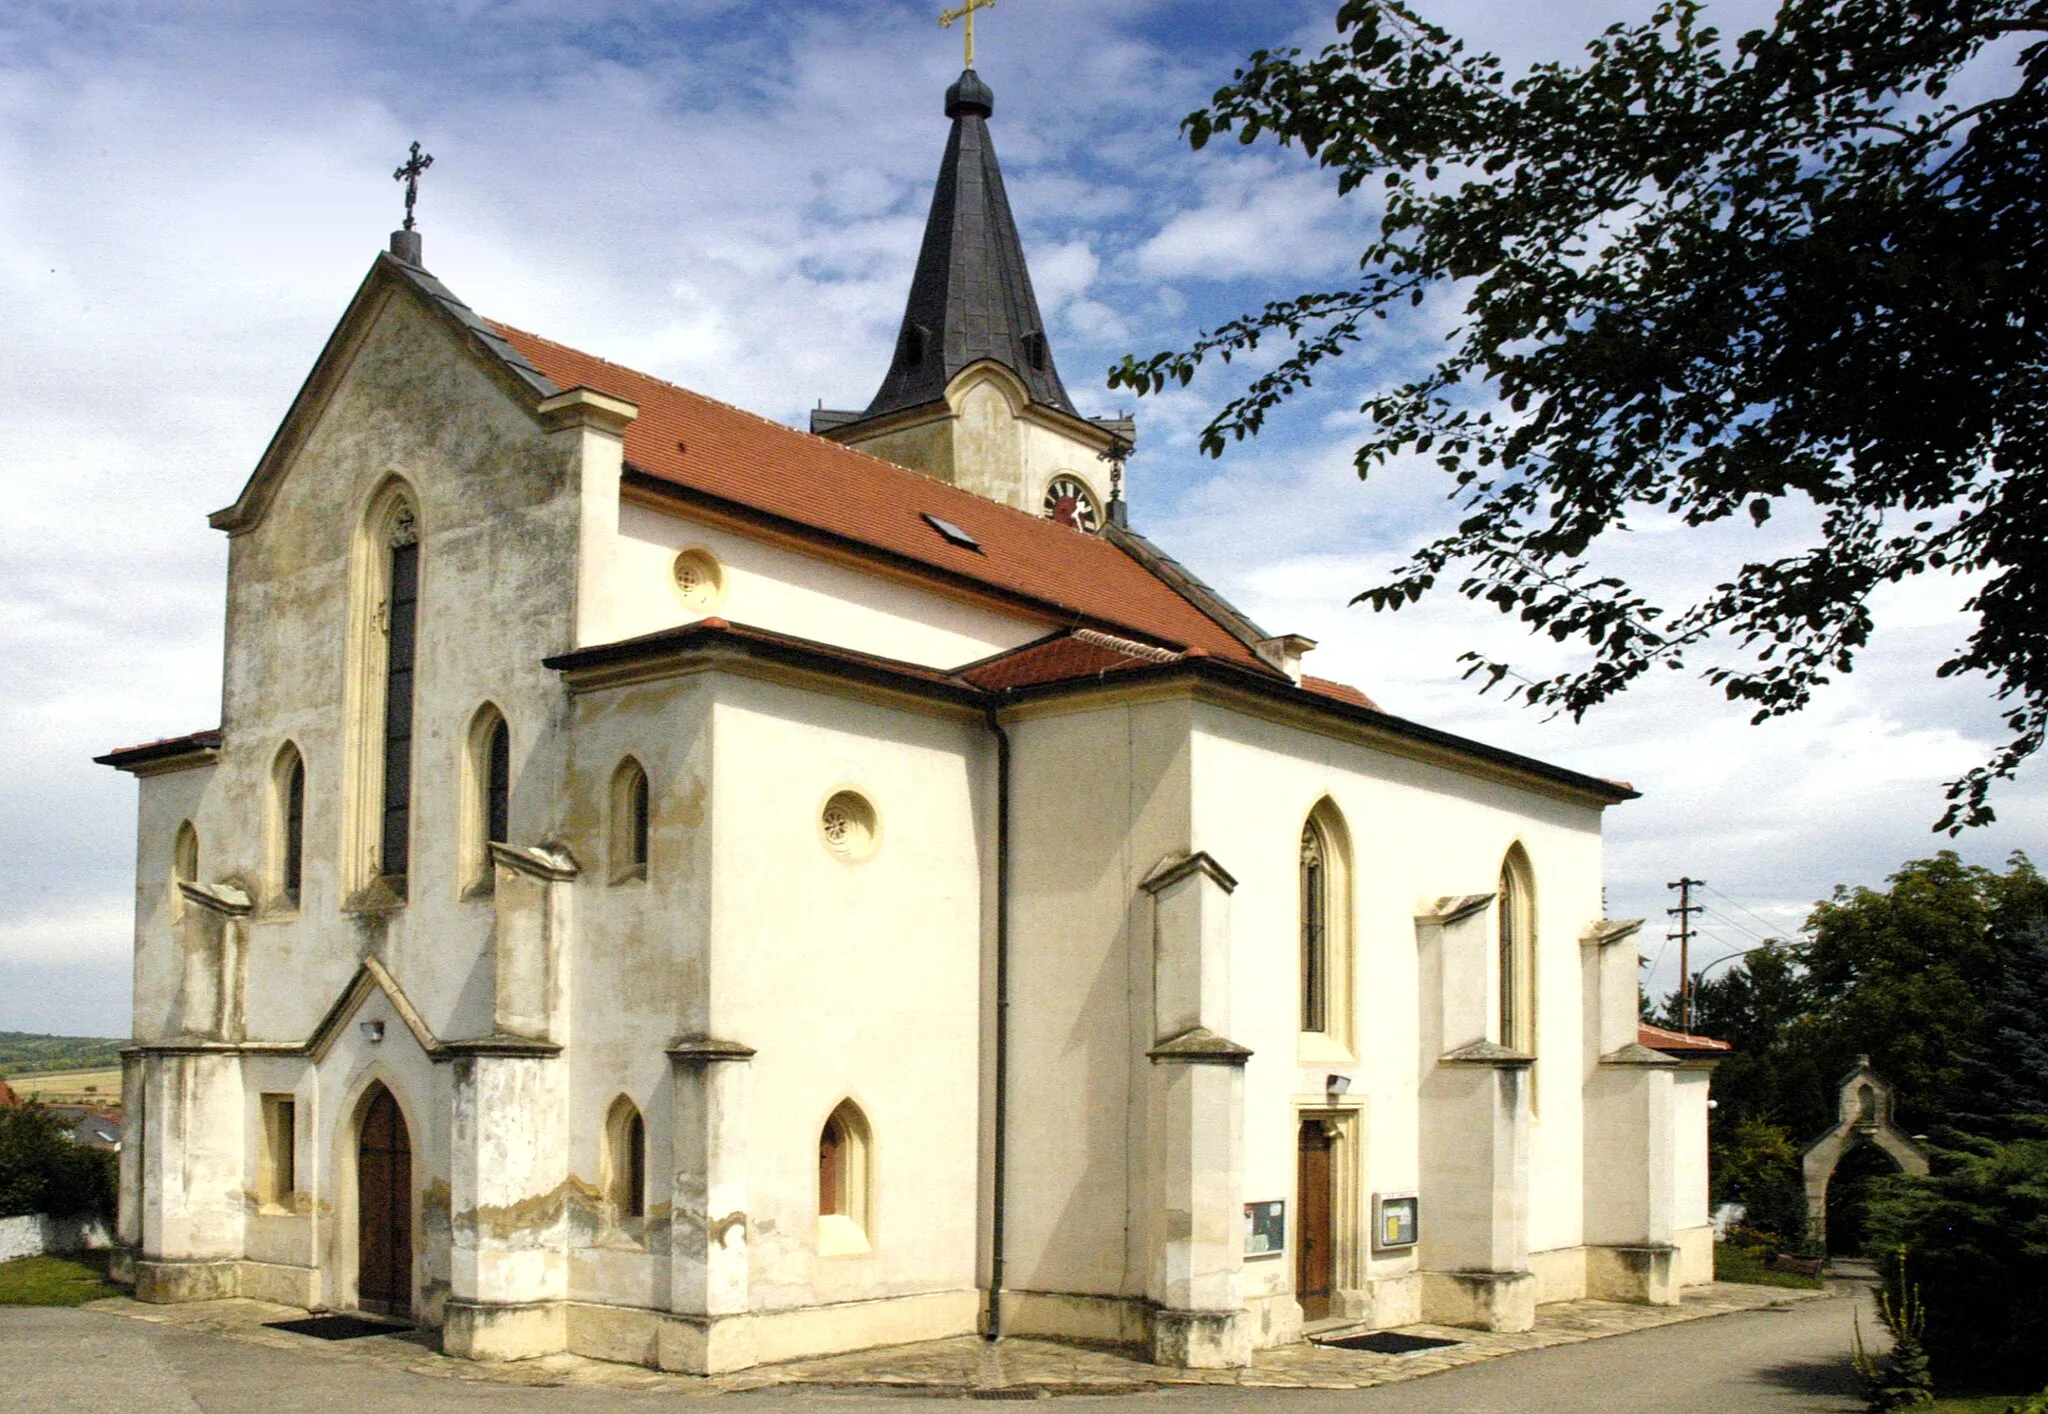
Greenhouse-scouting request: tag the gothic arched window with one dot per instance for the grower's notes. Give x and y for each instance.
(487, 794)
(184, 865)
(1325, 923)
(288, 824)
(845, 1182)
(630, 824)
(384, 650)
(625, 1168)
(1517, 953)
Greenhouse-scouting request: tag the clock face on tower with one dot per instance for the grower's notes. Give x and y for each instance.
(1069, 502)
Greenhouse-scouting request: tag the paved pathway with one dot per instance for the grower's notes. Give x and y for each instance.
(1760, 1353)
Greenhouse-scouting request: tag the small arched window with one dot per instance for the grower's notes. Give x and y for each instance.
(184, 865)
(288, 824)
(630, 822)
(1325, 919)
(626, 1159)
(487, 795)
(845, 1182)
(1517, 954)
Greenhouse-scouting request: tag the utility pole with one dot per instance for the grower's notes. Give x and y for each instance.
(1685, 910)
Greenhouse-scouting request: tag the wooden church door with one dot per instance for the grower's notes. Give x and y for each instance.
(384, 1209)
(1315, 1267)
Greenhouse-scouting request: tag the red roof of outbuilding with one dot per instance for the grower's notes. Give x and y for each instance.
(698, 443)
(1679, 1043)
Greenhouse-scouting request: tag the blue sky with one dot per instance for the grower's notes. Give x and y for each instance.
(730, 195)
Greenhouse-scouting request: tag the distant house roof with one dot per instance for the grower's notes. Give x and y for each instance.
(1679, 1043)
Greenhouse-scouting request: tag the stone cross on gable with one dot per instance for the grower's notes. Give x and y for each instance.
(965, 12)
(418, 163)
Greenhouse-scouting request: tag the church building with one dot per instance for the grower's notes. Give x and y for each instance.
(679, 889)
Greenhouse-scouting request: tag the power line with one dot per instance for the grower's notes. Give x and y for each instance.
(1725, 921)
(1775, 928)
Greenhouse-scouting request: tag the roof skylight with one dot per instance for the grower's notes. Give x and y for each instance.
(952, 532)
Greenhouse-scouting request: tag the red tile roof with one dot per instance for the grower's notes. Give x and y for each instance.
(1678, 1043)
(1342, 691)
(1062, 659)
(129, 757)
(691, 441)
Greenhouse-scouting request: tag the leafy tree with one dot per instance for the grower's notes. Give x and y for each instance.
(43, 1171)
(1897, 974)
(1975, 1236)
(1758, 1166)
(1698, 280)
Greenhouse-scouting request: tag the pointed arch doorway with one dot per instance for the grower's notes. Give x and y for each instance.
(383, 1207)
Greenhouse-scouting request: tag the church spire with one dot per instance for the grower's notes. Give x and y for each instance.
(971, 297)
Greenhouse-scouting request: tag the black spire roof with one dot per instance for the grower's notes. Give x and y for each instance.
(971, 297)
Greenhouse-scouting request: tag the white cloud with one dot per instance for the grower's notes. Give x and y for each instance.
(1258, 218)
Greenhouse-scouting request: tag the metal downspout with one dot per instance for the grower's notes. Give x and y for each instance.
(998, 1161)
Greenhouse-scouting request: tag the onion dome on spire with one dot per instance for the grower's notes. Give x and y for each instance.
(971, 297)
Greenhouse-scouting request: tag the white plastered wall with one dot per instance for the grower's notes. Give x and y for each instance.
(1418, 832)
(787, 592)
(1098, 798)
(638, 964)
(888, 953)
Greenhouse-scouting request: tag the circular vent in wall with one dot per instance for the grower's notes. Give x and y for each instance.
(848, 825)
(698, 578)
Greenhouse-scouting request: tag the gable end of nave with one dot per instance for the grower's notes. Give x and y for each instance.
(410, 380)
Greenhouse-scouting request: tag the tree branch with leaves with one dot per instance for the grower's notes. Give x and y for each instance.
(1700, 279)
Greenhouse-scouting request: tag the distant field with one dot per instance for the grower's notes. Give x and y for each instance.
(101, 1084)
(26, 1053)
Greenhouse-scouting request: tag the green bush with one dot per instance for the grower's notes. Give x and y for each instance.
(1975, 1236)
(42, 1171)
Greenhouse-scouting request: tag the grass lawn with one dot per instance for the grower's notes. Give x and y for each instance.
(1977, 1404)
(1742, 1264)
(55, 1281)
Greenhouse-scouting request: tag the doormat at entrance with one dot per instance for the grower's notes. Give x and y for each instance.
(335, 1327)
(1389, 1343)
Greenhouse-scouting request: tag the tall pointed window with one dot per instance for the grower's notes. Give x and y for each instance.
(384, 655)
(288, 825)
(487, 795)
(401, 637)
(1517, 955)
(631, 825)
(1315, 930)
(1325, 918)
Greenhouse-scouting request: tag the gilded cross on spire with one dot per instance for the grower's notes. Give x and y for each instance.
(965, 12)
(418, 163)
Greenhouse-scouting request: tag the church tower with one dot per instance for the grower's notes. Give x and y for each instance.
(972, 396)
